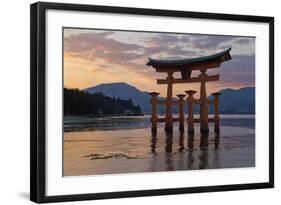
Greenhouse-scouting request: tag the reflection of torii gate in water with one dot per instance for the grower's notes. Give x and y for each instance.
(185, 67)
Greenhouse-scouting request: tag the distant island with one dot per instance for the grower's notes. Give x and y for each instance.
(78, 102)
(241, 101)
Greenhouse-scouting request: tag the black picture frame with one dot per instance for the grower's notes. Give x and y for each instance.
(38, 103)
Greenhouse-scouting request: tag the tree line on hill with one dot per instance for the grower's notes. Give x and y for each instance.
(77, 102)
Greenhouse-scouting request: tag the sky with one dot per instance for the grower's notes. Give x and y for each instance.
(93, 57)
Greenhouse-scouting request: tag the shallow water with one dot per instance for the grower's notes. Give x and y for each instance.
(72, 123)
(138, 150)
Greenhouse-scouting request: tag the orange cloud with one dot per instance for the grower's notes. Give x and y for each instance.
(93, 57)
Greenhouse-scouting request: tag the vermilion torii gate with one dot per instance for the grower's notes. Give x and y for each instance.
(185, 67)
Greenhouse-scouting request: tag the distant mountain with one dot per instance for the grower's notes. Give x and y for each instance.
(123, 91)
(241, 101)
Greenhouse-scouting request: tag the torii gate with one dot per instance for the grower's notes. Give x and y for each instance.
(185, 67)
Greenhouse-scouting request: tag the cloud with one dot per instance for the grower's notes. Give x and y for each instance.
(240, 70)
(211, 42)
(84, 42)
(111, 50)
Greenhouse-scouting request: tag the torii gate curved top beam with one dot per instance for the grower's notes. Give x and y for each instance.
(221, 56)
(185, 66)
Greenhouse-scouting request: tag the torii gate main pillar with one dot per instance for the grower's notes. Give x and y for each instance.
(169, 103)
(204, 120)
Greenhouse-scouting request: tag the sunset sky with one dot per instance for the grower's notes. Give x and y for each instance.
(92, 57)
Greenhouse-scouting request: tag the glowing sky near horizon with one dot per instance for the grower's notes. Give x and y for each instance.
(93, 57)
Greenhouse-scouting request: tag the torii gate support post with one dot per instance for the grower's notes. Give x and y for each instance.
(190, 118)
(169, 103)
(181, 111)
(204, 121)
(216, 111)
(154, 117)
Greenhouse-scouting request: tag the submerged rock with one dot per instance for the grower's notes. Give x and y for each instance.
(110, 155)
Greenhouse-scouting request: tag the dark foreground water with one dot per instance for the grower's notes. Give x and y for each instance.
(111, 150)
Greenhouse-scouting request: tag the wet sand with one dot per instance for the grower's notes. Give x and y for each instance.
(137, 150)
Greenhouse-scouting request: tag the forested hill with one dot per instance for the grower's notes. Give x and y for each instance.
(77, 102)
(124, 91)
